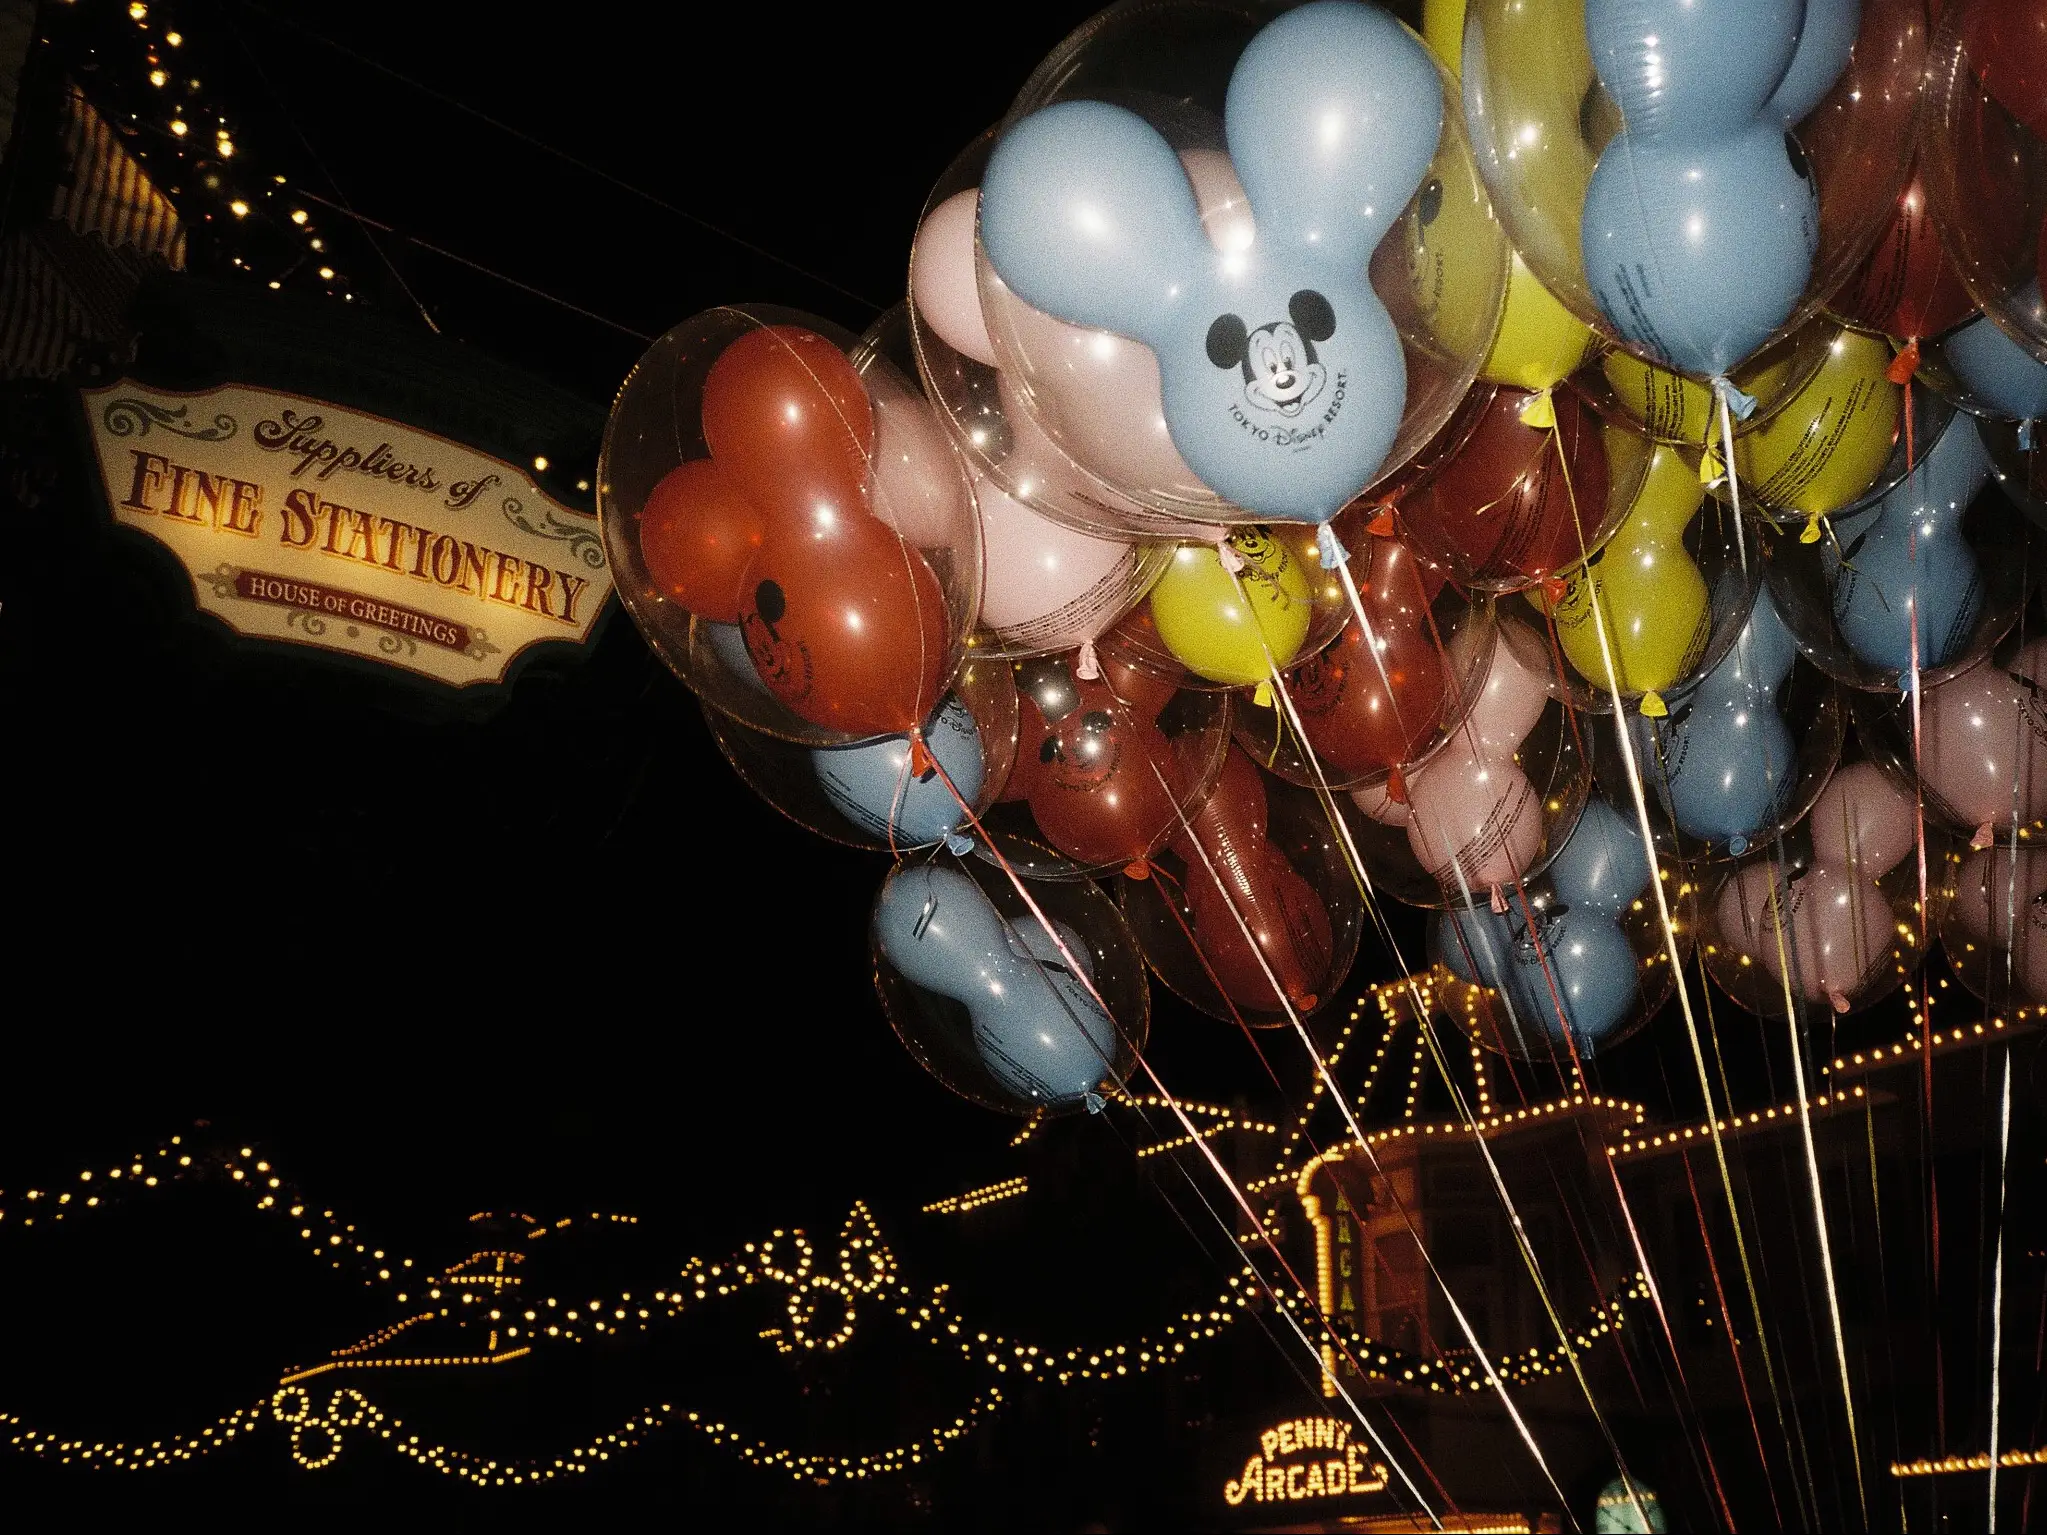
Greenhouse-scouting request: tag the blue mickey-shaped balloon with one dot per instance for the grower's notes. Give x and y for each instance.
(1281, 371)
(1701, 220)
(2000, 374)
(1576, 968)
(872, 783)
(1723, 759)
(1904, 558)
(1035, 1027)
(1825, 43)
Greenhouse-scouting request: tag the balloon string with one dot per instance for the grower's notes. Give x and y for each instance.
(1172, 905)
(1997, 1289)
(1427, 1034)
(1733, 1345)
(1778, 884)
(1201, 1145)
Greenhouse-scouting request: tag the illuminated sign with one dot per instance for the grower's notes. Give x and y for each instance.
(316, 525)
(1306, 1458)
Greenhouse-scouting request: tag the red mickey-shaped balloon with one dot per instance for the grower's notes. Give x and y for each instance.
(1237, 882)
(785, 412)
(1907, 287)
(699, 531)
(1103, 780)
(845, 623)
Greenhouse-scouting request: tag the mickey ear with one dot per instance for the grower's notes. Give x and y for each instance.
(1087, 214)
(1312, 315)
(1227, 339)
(1333, 116)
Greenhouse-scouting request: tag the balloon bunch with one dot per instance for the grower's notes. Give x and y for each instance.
(1318, 479)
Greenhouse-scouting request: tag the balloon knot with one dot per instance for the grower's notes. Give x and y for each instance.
(1905, 364)
(1741, 405)
(1227, 556)
(1329, 548)
(1737, 844)
(1305, 1002)
(1983, 838)
(1554, 589)
(1093, 1101)
(1539, 411)
(922, 763)
(1261, 695)
(1498, 902)
(1813, 524)
(1653, 705)
(1396, 786)
(1088, 666)
(958, 844)
(1836, 1000)
(1381, 526)
(1137, 868)
(2026, 436)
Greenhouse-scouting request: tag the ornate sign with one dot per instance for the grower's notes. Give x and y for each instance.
(1306, 1458)
(317, 525)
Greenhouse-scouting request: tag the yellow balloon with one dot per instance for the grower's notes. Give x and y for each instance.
(1673, 408)
(1832, 438)
(1540, 342)
(1443, 31)
(1222, 626)
(1658, 612)
(1538, 73)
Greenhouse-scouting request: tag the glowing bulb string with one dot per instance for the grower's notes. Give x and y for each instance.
(1188, 1128)
(1997, 1287)
(1321, 1066)
(1632, 769)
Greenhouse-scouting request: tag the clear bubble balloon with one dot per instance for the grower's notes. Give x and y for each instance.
(767, 538)
(1693, 180)
(1986, 159)
(1994, 927)
(1254, 904)
(1308, 319)
(1488, 808)
(1922, 581)
(1835, 920)
(883, 793)
(1379, 696)
(1020, 1010)
(1577, 961)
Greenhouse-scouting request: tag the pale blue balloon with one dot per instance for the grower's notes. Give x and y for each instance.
(2002, 375)
(1825, 43)
(1576, 972)
(1281, 372)
(863, 781)
(1035, 1027)
(1698, 250)
(1600, 868)
(1906, 554)
(728, 643)
(1701, 68)
(1723, 759)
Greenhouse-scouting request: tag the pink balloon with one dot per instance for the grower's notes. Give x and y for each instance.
(1037, 470)
(1981, 756)
(942, 284)
(1472, 811)
(1378, 804)
(2000, 907)
(1048, 587)
(1837, 929)
(919, 481)
(1097, 394)
(1475, 814)
(1862, 821)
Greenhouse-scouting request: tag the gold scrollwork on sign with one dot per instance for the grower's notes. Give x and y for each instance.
(130, 417)
(582, 543)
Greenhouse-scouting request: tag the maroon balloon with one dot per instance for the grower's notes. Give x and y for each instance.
(1908, 287)
(1100, 776)
(1236, 879)
(2007, 41)
(1513, 503)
